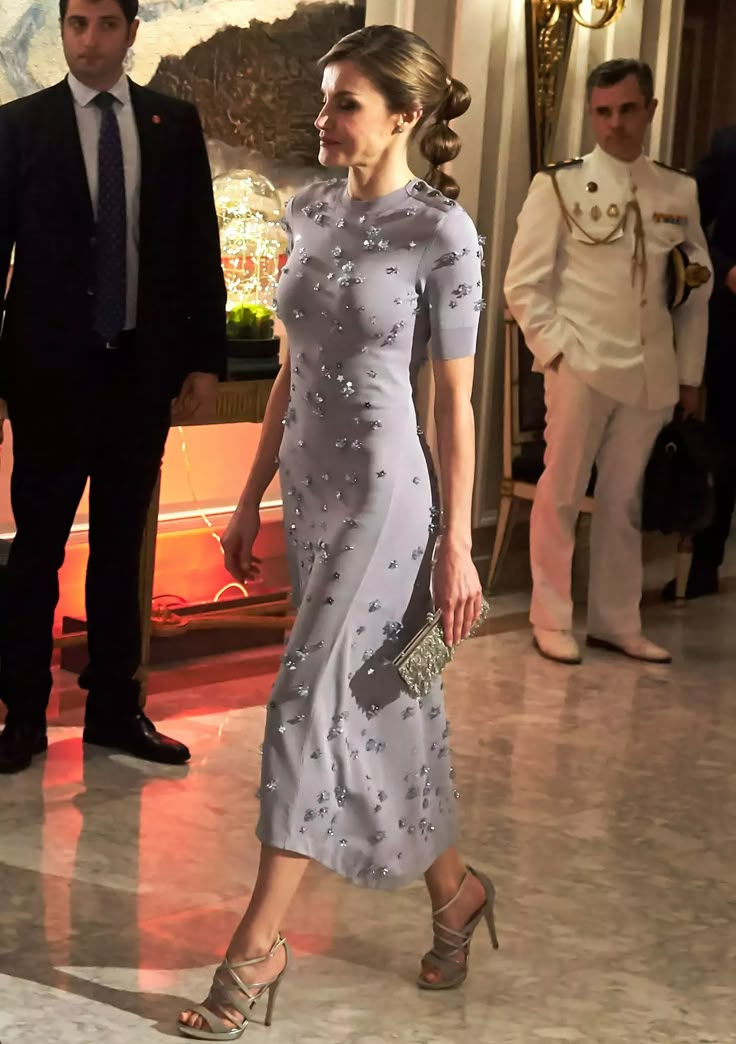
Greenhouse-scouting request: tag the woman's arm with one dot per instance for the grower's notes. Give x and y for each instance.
(265, 462)
(450, 282)
(457, 589)
(240, 535)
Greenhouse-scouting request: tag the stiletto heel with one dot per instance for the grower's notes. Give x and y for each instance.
(450, 944)
(229, 993)
(272, 991)
(491, 922)
(490, 904)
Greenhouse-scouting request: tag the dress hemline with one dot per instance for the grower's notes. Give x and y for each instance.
(364, 879)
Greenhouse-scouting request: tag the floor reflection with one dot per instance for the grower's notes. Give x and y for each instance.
(601, 798)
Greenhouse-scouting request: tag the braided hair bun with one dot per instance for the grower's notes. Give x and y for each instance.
(440, 143)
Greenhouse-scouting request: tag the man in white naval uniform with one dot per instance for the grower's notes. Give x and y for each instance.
(587, 283)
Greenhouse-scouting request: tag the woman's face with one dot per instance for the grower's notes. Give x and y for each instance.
(355, 126)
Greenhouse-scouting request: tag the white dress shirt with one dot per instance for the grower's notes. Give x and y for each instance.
(606, 314)
(89, 121)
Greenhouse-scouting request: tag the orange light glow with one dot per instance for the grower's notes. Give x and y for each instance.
(189, 566)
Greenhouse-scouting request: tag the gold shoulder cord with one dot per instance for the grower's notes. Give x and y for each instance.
(638, 258)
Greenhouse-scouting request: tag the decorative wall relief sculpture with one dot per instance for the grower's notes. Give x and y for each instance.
(258, 89)
(249, 66)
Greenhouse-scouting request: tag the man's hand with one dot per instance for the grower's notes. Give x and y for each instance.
(196, 400)
(689, 399)
(731, 280)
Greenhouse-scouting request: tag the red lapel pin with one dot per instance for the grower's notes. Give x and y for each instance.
(156, 119)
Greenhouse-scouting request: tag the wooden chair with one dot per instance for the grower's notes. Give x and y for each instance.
(523, 440)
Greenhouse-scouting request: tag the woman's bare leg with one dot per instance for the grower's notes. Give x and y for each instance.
(446, 877)
(279, 876)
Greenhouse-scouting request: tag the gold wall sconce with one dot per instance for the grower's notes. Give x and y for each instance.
(550, 27)
(604, 11)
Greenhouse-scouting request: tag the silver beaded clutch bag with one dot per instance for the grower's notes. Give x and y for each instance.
(427, 654)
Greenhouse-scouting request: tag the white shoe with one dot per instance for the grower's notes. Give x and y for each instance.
(557, 645)
(634, 645)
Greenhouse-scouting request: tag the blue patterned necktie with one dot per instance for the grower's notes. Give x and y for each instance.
(111, 225)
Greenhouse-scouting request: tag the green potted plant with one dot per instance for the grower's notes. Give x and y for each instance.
(250, 332)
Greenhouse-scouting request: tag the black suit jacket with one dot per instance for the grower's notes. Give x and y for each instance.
(46, 213)
(716, 177)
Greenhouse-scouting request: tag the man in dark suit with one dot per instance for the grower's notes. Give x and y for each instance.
(716, 177)
(116, 306)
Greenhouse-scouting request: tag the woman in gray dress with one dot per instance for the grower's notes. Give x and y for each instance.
(356, 773)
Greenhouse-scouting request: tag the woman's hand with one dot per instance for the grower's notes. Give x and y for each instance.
(457, 591)
(238, 541)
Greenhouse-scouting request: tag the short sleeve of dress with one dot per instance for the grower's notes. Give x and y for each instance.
(450, 281)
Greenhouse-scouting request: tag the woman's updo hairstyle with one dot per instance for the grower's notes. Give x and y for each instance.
(410, 75)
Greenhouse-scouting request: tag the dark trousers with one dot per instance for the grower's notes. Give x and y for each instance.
(91, 422)
(709, 545)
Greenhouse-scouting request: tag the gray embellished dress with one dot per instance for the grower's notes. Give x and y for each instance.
(356, 773)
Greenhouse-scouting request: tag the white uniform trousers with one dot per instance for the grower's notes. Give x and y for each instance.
(586, 427)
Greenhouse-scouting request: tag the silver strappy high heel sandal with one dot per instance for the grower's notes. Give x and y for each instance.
(449, 944)
(228, 991)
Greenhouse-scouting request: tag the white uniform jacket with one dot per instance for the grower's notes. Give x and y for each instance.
(603, 306)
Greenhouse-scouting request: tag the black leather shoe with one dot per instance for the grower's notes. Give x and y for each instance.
(703, 580)
(138, 736)
(19, 743)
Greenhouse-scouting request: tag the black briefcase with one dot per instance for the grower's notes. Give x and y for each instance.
(678, 484)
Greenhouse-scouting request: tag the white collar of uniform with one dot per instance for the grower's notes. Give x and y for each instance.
(621, 169)
(84, 95)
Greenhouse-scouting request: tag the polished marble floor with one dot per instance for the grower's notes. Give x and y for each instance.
(602, 799)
